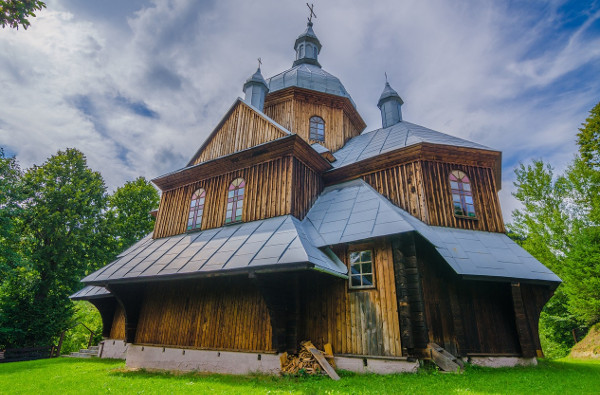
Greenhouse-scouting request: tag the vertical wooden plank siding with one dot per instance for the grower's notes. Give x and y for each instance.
(423, 190)
(268, 194)
(294, 114)
(226, 314)
(244, 128)
(439, 197)
(307, 185)
(466, 316)
(363, 322)
(118, 326)
(403, 185)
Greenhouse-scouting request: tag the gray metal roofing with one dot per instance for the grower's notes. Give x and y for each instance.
(400, 135)
(309, 76)
(354, 211)
(319, 148)
(90, 292)
(275, 243)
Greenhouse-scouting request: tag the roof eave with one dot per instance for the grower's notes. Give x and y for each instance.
(275, 268)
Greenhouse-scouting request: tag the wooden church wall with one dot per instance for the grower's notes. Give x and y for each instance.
(117, 331)
(362, 322)
(267, 194)
(439, 197)
(306, 186)
(222, 313)
(466, 317)
(403, 185)
(423, 190)
(243, 129)
(294, 114)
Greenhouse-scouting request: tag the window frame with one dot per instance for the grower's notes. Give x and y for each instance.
(194, 207)
(234, 197)
(316, 128)
(360, 250)
(463, 194)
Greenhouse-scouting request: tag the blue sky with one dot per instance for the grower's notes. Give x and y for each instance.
(138, 85)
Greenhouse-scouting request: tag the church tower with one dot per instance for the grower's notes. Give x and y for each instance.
(311, 102)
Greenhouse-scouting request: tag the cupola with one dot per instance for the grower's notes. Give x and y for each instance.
(307, 47)
(390, 105)
(256, 89)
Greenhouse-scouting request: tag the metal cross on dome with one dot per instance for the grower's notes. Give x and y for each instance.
(259, 62)
(312, 12)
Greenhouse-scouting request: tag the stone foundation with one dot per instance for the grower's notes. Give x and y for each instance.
(165, 358)
(502, 362)
(377, 365)
(113, 348)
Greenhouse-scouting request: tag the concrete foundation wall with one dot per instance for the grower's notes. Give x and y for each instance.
(502, 362)
(166, 358)
(151, 357)
(112, 348)
(376, 365)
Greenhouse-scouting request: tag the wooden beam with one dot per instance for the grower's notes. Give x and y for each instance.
(442, 358)
(523, 330)
(130, 297)
(106, 307)
(321, 360)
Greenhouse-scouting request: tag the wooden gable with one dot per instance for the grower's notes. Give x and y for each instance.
(241, 128)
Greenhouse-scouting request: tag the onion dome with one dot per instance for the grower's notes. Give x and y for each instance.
(390, 104)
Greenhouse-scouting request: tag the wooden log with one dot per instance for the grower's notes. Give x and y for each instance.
(321, 359)
(442, 358)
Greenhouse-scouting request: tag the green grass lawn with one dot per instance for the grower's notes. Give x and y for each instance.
(81, 376)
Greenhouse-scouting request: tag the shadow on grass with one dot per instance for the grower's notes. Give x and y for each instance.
(13, 367)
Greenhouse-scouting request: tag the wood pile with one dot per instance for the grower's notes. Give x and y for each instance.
(308, 360)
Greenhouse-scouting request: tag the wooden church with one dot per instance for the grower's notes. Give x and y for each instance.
(291, 223)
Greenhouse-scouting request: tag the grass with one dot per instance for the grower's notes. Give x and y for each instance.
(81, 376)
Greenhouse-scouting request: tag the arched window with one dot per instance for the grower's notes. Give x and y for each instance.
(308, 50)
(315, 52)
(235, 201)
(301, 51)
(196, 210)
(462, 196)
(317, 128)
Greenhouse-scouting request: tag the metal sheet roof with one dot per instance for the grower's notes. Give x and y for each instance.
(90, 292)
(276, 243)
(309, 76)
(399, 135)
(354, 211)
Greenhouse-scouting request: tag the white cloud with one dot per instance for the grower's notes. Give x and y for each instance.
(138, 92)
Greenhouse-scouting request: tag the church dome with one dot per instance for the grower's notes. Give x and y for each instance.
(309, 76)
(306, 72)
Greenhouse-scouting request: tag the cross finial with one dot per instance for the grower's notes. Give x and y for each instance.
(259, 63)
(312, 12)
(385, 72)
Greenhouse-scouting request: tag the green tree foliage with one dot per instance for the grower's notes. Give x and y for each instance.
(58, 225)
(128, 212)
(10, 196)
(560, 225)
(588, 139)
(58, 243)
(78, 336)
(17, 12)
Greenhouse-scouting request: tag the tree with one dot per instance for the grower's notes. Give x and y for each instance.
(16, 12)
(128, 212)
(10, 195)
(559, 224)
(59, 242)
(588, 139)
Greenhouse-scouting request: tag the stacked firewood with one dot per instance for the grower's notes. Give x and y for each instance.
(305, 361)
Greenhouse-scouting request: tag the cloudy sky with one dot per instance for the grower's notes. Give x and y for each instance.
(138, 85)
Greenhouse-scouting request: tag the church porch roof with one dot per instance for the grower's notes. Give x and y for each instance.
(274, 244)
